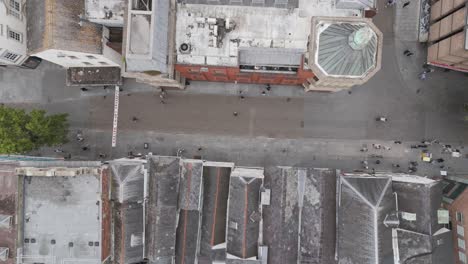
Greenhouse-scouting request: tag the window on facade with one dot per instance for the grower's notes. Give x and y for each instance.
(461, 243)
(143, 5)
(462, 257)
(103, 63)
(15, 35)
(11, 56)
(1, 30)
(73, 57)
(14, 8)
(91, 57)
(460, 230)
(460, 217)
(87, 63)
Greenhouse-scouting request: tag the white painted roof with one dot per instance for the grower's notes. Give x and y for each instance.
(255, 27)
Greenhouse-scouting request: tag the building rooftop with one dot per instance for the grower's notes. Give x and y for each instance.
(216, 177)
(403, 224)
(56, 24)
(129, 178)
(418, 202)
(363, 204)
(147, 40)
(298, 224)
(216, 34)
(260, 3)
(190, 194)
(8, 189)
(162, 212)
(64, 222)
(346, 49)
(190, 197)
(244, 214)
(128, 190)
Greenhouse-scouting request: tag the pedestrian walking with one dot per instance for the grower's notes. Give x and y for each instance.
(389, 3)
(84, 89)
(79, 137)
(268, 87)
(406, 4)
(263, 93)
(235, 114)
(422, 76)
(162, 95)
(408, 53)
(135, 119)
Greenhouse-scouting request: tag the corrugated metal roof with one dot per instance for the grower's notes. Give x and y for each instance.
(270, 56)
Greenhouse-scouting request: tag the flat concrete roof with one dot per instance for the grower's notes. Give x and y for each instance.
(62, 219)
(215, 33)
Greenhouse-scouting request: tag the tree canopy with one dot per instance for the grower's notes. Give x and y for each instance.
(21, 131)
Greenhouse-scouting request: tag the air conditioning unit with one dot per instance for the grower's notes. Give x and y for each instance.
(4, 253)
(5, 221)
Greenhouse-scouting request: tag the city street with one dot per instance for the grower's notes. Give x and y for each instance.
(283, 127)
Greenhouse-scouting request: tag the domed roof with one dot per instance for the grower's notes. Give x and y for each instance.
(346, 49)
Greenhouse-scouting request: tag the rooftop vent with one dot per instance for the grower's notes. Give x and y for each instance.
(392, 220)
(185, 48)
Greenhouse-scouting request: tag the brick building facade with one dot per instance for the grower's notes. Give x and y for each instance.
(456, 201)
(236, 74)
